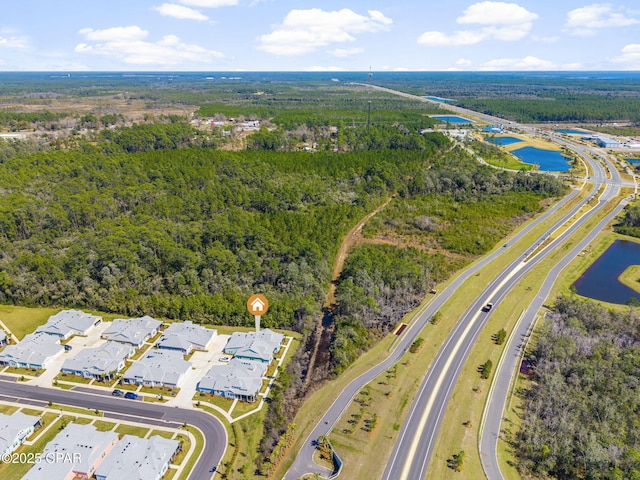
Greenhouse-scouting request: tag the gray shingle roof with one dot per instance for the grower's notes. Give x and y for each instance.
(68, 322)
(109, 357)
(11, 426)
(239, 377)
(182, 335)
(136, 458)
(34, 349)
(133, 331)
(84, 440)
(261, 345)
(158, 366)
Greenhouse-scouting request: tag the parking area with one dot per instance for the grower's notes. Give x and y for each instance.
(76, 343)
(201, 362)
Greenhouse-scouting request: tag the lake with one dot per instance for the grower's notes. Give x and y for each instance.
(502, 141)
(570, 131)
(600, 281)
(547, 160)
(439, 99)
(451, 119)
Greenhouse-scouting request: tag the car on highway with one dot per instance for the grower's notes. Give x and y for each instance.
(487, 307)
(117, 393)
(131, 395)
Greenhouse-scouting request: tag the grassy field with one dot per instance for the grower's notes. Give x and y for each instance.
(199, 438)
(23, 320)
(630, 277)
(162, 433)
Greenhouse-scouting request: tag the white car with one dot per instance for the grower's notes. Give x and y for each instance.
(225, 359)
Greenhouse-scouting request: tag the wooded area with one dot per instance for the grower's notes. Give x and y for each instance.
(581, 410)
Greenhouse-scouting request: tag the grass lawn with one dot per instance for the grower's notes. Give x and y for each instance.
(103, 426)
(171, 473)
(630, 277)
(8, 409)
(15, 471)
(67, 408)
(165, 391)
(132, 430)
(162, 433)
(196, 453)
(83, 420)
(66, 377)
(27, 372)
(243, 407)
(23, 320)
(186, 443)
(224, 403)
(31, 411)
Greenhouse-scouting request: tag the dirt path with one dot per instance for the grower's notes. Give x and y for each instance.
(324, 327)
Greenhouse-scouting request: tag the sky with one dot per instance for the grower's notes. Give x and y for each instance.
(327, 35)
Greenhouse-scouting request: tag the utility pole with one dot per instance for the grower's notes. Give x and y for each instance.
(369, 101)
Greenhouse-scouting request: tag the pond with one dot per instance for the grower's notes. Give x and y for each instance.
(570, 131)
(600, 281)
(451, 119)
(632, 160)
(439, 99)
(547, 160)
(502, 141)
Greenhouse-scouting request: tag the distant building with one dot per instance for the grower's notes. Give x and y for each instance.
(4, 340)
(259, 347)
(238, 379)
(101, 363)
(186, 337)
(606, 142)
(158, 368)
(15, 429)
(134, 331)
(135, 458)
(36, 350)
(79, 450)
(67, 323)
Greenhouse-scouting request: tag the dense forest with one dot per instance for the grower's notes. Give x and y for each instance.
(630, 223)
(581, 412)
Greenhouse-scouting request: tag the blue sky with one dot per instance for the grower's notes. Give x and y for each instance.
(301, 35)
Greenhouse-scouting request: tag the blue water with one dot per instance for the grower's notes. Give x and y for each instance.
(547, 160)
(600, 281)
(570, 132)
(451, 119)
(502, 141)
(439, 99)
(633, 160)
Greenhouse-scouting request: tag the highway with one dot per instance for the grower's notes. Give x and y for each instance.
(303, 462)
(508, 367)
(134, 410)
(411, 454)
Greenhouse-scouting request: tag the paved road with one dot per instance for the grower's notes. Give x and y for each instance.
(144, 412)
(304, 460)
(505, 371)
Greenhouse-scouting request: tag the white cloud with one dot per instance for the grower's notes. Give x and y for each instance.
(345, 52)
(318, 68)
(128, 45)
(439, 39)
(304, 31)
(209, 3)
(12, 42)
(180, 12)
(507, 22)
(526, 63)
(587, 20)
(115, 34)
(464, 62)
(551, 39)
(496, 13)
(630, 57)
